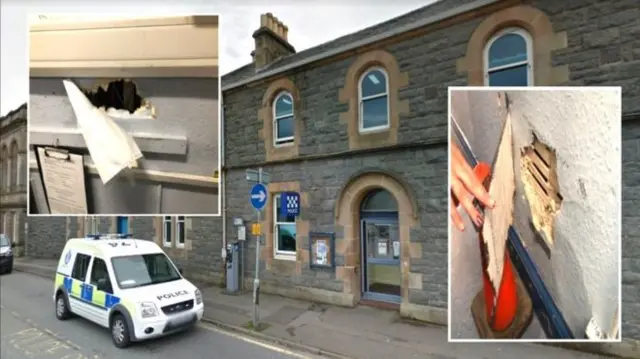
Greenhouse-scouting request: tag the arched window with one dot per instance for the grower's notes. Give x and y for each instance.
(283, 131)
(14, 165)
(380, 200)
(373, 96)
(508, 59)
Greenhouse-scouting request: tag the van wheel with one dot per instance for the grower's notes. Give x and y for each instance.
(62, 310)
(119, 331)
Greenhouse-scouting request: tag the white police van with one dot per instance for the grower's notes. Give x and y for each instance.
(127, 285)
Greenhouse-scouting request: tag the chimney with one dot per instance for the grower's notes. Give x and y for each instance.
(270, 41)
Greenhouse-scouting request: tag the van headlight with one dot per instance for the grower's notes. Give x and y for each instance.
(198, 297)
(148, 310)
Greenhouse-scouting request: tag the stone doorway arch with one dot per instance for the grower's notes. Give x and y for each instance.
(347, 216)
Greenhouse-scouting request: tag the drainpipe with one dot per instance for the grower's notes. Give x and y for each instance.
(221, 181)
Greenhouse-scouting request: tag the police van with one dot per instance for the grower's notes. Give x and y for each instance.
(127, 285)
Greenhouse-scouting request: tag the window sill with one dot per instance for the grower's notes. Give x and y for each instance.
(373, 130)
(287, 256)
(180, 245)
(283, 145)
(167, 245)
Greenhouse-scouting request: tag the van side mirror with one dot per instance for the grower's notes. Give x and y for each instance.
(180, 270)
(13, 244)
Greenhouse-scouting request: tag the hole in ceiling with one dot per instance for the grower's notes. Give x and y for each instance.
(540, 178)
(120, 98)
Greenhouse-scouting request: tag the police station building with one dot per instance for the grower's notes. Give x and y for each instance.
(352, 134)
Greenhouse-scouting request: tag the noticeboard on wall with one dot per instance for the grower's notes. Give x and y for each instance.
(322, 250)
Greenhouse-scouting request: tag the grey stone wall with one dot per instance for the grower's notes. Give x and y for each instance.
(630, 224)
(603, 42)
(46, 236)
(423, 170)
(142, 227)
(204, 260)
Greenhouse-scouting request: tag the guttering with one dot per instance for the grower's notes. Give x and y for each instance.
(221, 178)
(366, 41)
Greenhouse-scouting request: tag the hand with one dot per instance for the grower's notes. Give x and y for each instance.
(465, 187)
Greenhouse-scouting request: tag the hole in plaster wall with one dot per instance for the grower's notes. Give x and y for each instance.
(540, 179)
(120, 99)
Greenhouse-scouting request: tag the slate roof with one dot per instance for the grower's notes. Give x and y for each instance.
(248, 70)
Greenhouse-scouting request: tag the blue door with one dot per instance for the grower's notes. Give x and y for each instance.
(380, 238)
(122, 224)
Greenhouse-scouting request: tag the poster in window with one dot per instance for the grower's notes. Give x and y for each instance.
(322, 250)
(382, 249)
(396, 249)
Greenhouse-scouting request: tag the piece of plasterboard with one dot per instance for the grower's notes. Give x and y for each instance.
(497, 220)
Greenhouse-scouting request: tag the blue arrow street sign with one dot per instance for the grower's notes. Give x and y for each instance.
(258, 196)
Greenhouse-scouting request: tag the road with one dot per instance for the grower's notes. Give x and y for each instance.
(29, 329)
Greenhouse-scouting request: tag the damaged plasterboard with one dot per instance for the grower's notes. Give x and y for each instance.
(120, 99)
(538, 168)
(111, 148)
(497, 220)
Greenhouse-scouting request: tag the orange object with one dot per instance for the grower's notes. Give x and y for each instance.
(506, 300)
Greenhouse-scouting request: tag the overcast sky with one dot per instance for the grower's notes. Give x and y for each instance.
(310, 24)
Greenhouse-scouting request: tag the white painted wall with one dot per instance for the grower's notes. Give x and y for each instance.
(583, 126)
(582, 272)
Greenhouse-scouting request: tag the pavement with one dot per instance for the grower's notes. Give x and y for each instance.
(303, 327)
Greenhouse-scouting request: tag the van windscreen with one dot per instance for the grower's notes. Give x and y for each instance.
(143, 269)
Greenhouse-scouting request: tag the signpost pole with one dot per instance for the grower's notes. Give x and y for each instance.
(256, 280)
(258, 198)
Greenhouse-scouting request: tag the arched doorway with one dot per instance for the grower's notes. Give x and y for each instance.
(380, 247)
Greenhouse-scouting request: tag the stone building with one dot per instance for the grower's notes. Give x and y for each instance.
(13, 183)
(358, 126)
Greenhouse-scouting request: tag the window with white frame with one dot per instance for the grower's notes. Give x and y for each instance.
(373, 96)
(508, 59)
(284, 231)
(180, 232)
(283, 119)
(167, 226)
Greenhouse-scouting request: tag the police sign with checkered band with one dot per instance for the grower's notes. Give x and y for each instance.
(290, 204)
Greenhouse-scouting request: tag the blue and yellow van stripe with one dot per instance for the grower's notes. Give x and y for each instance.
(88, 294)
